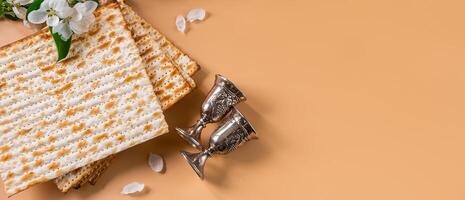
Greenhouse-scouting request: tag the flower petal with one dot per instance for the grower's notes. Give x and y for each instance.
(132, 188)
(156, 162)
(196, 14)
(89, 20)
(63, 30)
(45, 5)
(20, 12)
(24, 2)
(91, 6)
(83, 25)
(181, 23)
(37, 16)
(77, 27)
(86, 8)
(57, 4)
(65, 11)
(61, 7)
(52, 20)
(76, 16)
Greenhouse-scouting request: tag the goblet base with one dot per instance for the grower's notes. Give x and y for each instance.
(187, 136)
(196, 161)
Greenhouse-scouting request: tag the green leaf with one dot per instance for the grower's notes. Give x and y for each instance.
(61, 45)
(2, 9)
(34, 6)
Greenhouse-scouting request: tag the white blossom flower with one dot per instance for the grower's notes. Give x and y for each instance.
(83, 17)
(79, 22)
(18, 8)
(63, 19)
(51, 11)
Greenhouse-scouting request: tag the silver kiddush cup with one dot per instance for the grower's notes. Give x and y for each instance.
(234, 131)
(217, 104)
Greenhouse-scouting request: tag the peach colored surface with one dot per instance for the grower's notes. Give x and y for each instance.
(353, 100)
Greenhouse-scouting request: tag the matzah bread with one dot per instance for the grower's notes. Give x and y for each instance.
(169, 84)
(186, 65)
(56, 117)
(98, 166)
(79, 177)
(102, 165)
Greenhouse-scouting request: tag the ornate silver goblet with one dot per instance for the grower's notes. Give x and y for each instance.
(234, 131)
(218, 102)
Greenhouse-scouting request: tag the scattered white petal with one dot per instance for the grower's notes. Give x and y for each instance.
(181, 23)
(132, 188)
(156, 162)
(196, 14)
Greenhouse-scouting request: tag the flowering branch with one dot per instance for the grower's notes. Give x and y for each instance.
(63, 17)
(14, 10)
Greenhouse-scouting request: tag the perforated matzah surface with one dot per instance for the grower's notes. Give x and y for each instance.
(168, 88)
(56, 117)
(187, 65)
(183, 60)
(168, 82)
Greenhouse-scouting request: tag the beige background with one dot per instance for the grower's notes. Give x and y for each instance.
(352, 99)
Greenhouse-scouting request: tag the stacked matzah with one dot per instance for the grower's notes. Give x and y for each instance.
(56, 117)
(169, 70)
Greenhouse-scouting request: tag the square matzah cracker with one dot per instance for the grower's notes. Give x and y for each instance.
(169, 84)
(56, 117)
(160, 56)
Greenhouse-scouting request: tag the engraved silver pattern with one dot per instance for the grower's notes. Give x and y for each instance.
(219, 101)
(234, 131)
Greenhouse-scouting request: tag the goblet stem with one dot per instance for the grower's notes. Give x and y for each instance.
(197, 160)
(192, 134)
